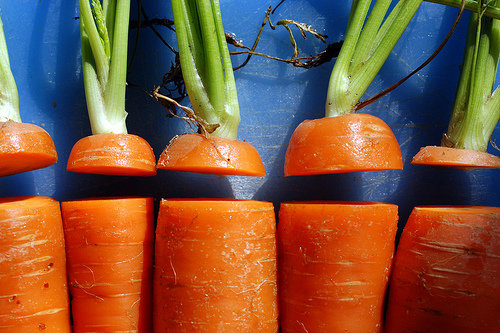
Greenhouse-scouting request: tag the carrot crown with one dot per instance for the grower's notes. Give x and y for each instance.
(206, 65)
(476, 110)
(367, 44)
(104, 38)
(9, 98)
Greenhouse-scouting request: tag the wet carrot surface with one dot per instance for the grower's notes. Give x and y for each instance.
(446, 272)
(334, 262)
(215, 267)
(455, 158)
(33, 289)
(112, 154)
(24, 147)
(109, 244)
(214, 155)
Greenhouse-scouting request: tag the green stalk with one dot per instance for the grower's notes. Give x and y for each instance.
(9, 99)
(477, 110)
(492, 11)
(104, 38)
(365, 49)
(206, 65)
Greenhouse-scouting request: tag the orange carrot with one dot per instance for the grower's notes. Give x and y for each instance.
(214, 155)
(446, 272)
(109, 244)
(348, 143)
(33, 290)
(215, 267)
(455, 158)
(24, 147)
(334, 262)
(113, 154)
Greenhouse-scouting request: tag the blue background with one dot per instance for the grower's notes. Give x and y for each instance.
(44, 47)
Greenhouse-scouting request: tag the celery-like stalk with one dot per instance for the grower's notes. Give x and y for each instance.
(367, 44)
(477, 110)
(9, 98)
(472, 5)
(206, 65)
(104, 38)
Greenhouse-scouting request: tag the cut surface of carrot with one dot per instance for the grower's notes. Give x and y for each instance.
(455, 158)
(33, 289)
(334, 263)
(215, 266)
(348, 143)
(446, 272)
(213, 155)
(24, 147)
(109, 244)
(113, 154)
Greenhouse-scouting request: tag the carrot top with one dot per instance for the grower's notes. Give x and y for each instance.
(206, 64)
(9, 98)
(367, 44)
(476, 110)
(104, 38)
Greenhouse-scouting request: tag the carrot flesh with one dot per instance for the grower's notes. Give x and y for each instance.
(113, 154)
(455, 158)
(213, 155)
(109, 244)
(446, 272)
(347, 143)
(33, 289)
(215, 266)
(24, 147)
(334, 262)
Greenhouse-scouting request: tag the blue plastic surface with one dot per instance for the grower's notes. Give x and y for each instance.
(44, 47)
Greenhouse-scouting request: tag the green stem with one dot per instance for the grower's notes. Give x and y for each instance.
(104, 38)
(206, 65)
(9, 99)
(365, 50)
(477, 110)
(491, 10)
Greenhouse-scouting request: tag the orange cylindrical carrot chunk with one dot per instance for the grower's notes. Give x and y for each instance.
(334, 262)
(215, 268)
(109, 244)
(446, 275)
(33, 290)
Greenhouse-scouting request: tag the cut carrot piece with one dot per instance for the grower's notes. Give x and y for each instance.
(348, 143)
(24, 147)
(455, 158)
(446, 272)
(334, 263)
(33, 290)
(113, 154)
(109, 244)
(214, 155)
(215, 267)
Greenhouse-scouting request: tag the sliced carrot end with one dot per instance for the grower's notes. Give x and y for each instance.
(348, 143)
(113, 154)
(214, 155)
(24, 147)
(455, 158)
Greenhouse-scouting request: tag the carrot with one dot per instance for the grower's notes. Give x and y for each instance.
(476, 110)
(446, 272)
(33, 290)
(109, 244)
(209, 80)
(368, 42)
(345, 136)
(110, 150)
(334, 262)
(197, 153)
(112, 154)
(215, 266)
(23, 147)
